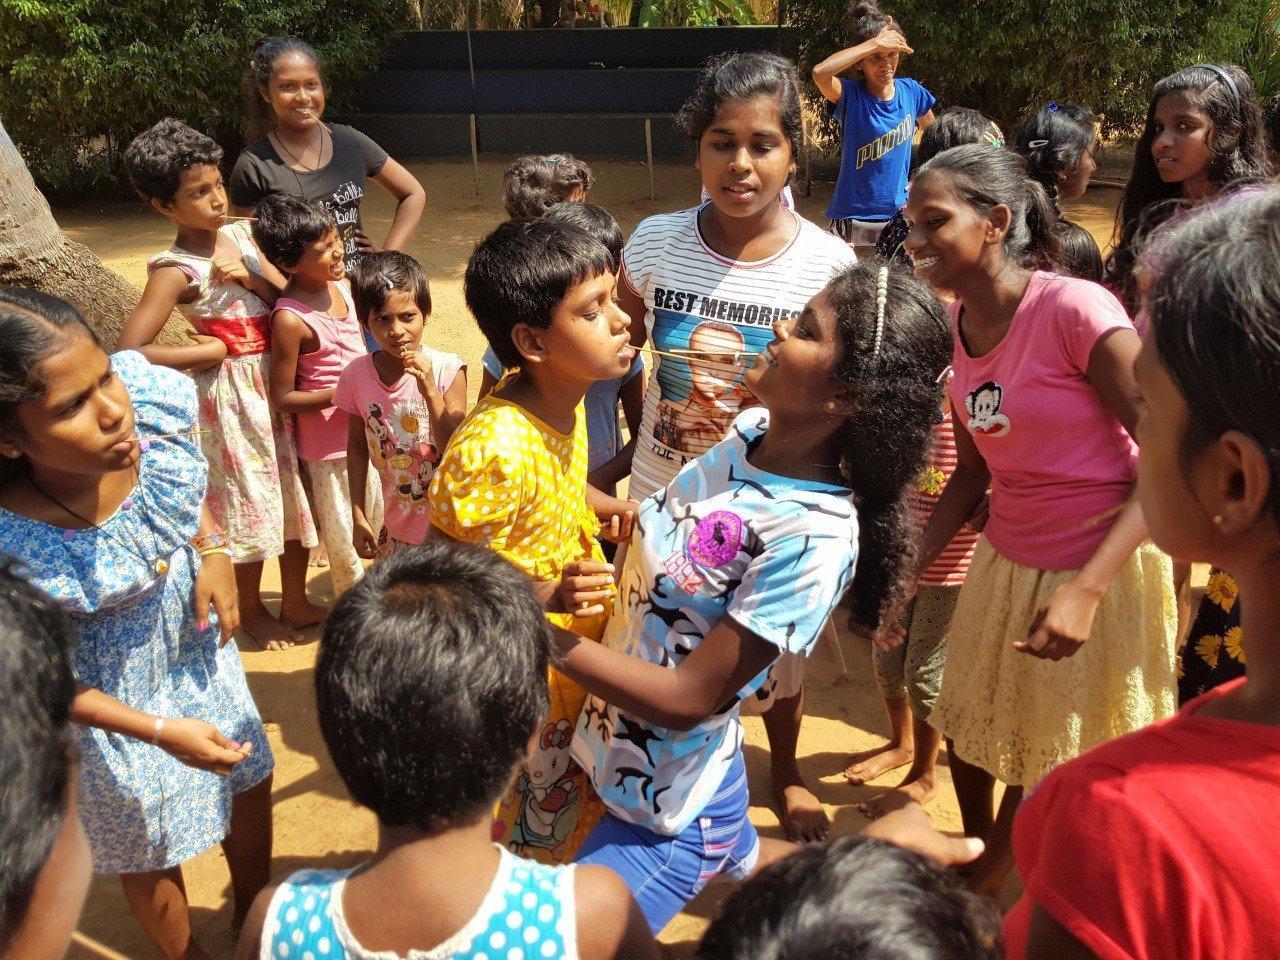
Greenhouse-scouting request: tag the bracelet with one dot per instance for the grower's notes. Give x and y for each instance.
(210, 551)
(155, 737)
(205, 541)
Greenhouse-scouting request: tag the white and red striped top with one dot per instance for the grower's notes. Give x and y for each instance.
(950, 568)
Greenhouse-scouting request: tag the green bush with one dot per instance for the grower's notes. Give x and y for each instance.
(1008, 58)
(79, 78)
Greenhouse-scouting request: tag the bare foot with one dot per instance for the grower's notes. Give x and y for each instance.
(876, 763)
(303, 614)
(319, 557)
(803, 817)
(918, 790)
(265, 630)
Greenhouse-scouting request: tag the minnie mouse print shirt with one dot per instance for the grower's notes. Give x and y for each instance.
(723, 539)
(1058, 454)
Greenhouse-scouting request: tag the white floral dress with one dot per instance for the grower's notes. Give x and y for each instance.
(255, 488)
(137, 641)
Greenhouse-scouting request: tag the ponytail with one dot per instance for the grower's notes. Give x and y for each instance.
(895, 393)
(1043, 250)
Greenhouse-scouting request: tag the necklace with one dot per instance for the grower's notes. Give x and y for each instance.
(279, 142)
(160, 564)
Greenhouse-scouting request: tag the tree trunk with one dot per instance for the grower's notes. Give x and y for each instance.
(35, 253)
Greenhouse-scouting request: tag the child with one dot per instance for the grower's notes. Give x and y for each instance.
(608, 458)
(305, 157)
(742, 556)
(725, 271)
(878, 116)
(853, 899)
(102, 500)
(1167, 835)
(514, 477)
(909, 673)
(431, 683)
(1203, 131)
(1063, 632)
(213, 275)
(1057, 145)
(533, 185)
(315, 335)
(955, 126)
(46, 866)
(402, 403)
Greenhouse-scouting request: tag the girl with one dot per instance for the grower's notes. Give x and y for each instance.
(102, 501)
(1178, 879)
(741, 260)
(742, 556)
(303, 156)
(1064, 629)
(213, 275)
(1203, 131)
(878, 116)
(315, 335)
(402, 403)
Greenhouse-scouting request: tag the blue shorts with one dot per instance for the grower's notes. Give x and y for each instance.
(664, 873)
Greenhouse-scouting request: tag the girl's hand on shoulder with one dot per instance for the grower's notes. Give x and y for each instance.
(201, 745)
(216, 590)
(584, 586)
(1062, 626)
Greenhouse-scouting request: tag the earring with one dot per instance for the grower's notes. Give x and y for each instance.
(1219, 519)
(831, 406)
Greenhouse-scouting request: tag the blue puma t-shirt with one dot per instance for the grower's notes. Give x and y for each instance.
(875, 157)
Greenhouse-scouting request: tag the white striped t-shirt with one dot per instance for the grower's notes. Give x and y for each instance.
(715, 312)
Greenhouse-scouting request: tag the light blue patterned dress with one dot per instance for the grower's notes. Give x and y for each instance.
(528, 914)
(137, 641)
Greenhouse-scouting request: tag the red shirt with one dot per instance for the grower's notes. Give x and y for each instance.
(1162, 845)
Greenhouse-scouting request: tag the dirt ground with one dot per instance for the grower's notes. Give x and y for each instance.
(316, 824)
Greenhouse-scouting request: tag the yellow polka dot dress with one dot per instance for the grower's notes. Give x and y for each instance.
(512, 483)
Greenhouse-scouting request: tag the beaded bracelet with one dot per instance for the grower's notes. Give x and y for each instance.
(210, 551)
(208, 541)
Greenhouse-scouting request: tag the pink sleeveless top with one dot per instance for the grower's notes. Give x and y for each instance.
(322, 434)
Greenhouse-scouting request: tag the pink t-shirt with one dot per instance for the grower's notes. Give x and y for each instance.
(397, 428)
(1058, 454)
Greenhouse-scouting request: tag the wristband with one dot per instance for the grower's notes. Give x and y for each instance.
(206, 541)
(210, 551)
(155, 737)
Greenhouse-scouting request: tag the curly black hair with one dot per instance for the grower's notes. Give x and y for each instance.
(744, 76)
(533, 184)
(157, 158)
(896, 394)
(286, 225)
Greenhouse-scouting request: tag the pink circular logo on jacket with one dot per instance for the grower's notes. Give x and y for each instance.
(716, 539)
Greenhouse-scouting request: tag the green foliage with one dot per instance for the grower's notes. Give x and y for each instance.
(1007, 58)
(79, 78)
(695, 13)
(1260, 55)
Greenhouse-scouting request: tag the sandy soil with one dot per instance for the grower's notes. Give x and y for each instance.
(316, 824)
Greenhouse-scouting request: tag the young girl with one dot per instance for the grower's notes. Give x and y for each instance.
(402, 403)
(102, 502)
(315, 335)
(305, 157)
(1203, 131)
(742, 261)
(533, 184)
(1166, 835)
(1064, 629)
(878, 116)
(742, 556)
(212, 274)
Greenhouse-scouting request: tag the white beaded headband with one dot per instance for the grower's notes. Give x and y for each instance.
(882, 294)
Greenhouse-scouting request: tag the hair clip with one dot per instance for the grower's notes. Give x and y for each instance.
(390, 284)
(945, 374)
(1053, 107)
(882, 294)
(1037, 144)
(553, 158)
(992, 137)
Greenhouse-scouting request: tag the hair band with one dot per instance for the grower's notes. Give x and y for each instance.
(1037, 144)
(882, 294)
(1053, 107)
(992, 137)
(1224, 77)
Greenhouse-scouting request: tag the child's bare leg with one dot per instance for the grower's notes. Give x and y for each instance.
(248, 846)
(158, 898)
(919, 783)
(988, 873)
(803, 817)
(295, 609)
(975, 794)
(255, 619)
(898, 752)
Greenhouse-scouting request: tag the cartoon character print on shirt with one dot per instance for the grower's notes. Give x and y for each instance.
(983, 406)
(400, 444)
(548, 792)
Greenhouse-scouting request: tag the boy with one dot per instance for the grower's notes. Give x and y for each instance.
(44, 857)
(514, 477)
(430, 683)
